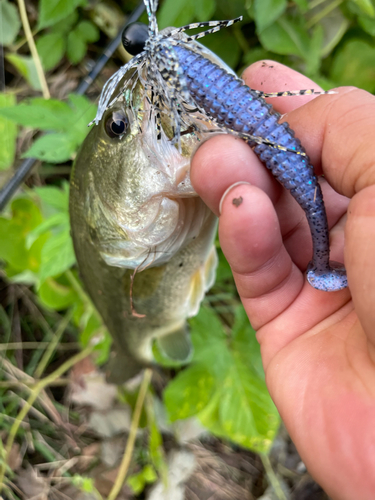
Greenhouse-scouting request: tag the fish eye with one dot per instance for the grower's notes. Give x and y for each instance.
(116, 124)
(134, 38)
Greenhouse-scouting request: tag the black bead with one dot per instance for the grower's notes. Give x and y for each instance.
(134, 38)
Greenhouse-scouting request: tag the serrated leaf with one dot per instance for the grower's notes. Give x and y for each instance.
(247, 413)
(76, 47)
(8, 133)
(227, 382)
(188, 393)
(208, 338)
(40, 113)
(10, 23)
(51, 114)
(267, 11)
(52, 11)
(54, 148)
(172, 13)
(57, 255)
(26, 67)
(51, 49)
(88, 31)
(365, 6)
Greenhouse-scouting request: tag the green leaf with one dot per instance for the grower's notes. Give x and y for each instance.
(354, 64)
(71, 118)
(25, 216)
(40, 113)
(313, 58)
(224, 45)
(54, 196)
(244, 342)
(365, 6)
(63, 27)
(59, 219)
(205, 9)
(10, 23)
(52, 11)
(57, 255)
(83, 111)
(88, 31)
(76, 47)
(302, 4)
(247, 414)
(51, 49)
(367, 24)
(267, 11)
(225, 386)
(54, 148)
(285, 37)
(136, 483)
(334, 26)
(188, 393)
(8, 133)
(26, 67)
(94, 327)
(174, 13)
(55, 295)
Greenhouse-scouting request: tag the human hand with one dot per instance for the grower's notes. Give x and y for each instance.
(318, 348)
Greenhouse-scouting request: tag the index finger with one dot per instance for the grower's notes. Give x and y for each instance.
(271, 76)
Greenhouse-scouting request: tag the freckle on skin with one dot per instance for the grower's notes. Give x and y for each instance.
(237, 201)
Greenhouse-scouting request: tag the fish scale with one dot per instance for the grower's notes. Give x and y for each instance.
(234, 105)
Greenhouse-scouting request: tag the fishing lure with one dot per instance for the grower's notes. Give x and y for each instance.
(183, 80)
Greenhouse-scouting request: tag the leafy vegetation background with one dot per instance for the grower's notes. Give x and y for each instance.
(331, 41)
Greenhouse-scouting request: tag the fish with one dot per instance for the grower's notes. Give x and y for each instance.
(182, 76)
(143, 239)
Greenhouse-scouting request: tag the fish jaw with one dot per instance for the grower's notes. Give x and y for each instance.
(150, 209)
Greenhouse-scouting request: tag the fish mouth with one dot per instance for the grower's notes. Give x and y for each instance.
(148, 236)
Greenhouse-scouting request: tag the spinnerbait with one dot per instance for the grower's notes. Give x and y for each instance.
(184, 80)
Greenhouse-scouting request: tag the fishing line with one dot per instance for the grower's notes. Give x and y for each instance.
(25, 168)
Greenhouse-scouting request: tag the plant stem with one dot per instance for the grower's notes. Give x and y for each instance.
(35, 391)
(275, 483)
(11, 346)
(323, 13)
(52, 345)
(33, 50)
(132, 435)
(76, 285)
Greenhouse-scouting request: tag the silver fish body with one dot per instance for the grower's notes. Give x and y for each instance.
(133, 208)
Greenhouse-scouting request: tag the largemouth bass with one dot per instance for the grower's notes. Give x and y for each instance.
(134, 214)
